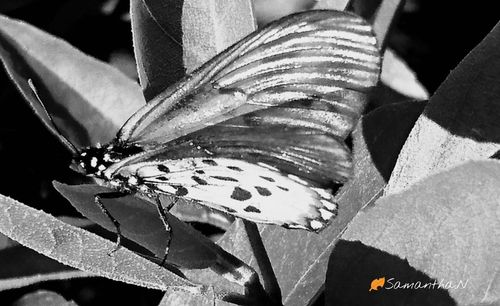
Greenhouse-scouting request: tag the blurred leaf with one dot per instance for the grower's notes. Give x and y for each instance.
(269, 10)
(210, 26)
(460, 122)
(398, 76)
(5, 242)
(43, 298)
(446, 226)
(365, 9)
(23, 267)
(186, 299)
(338, 5)
(382, 14)
(88, 99)
(157, 35)
(81, 249)
(375, 152)
(125, 62)
(10, 5)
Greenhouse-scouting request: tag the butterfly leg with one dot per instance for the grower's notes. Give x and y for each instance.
(98, 200)
(162, 211)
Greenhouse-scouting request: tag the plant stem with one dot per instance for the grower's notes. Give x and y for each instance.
(271, 285)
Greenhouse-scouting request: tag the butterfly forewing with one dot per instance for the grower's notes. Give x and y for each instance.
(282, 63)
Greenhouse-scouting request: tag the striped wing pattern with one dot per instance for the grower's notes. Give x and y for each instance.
(278, 104)
(323, 56)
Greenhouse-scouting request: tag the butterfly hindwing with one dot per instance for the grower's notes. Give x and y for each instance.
(254, 191)
(304, 152)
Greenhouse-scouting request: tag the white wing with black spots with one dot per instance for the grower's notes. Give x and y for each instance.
(256, 192)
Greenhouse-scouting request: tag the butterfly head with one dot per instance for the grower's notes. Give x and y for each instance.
(93, 161)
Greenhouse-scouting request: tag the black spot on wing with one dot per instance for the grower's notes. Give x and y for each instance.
(224, 178)
(263, 191)
(229, 210)
(251, 208)
(161, 178)
(200, 171)
(234, 168)
(283, 188)
(269, 179)
(240, 194)
(210, 162)
(181, 191)
(199, 181)
(163, 168)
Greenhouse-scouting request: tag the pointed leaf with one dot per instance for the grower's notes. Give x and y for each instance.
(23, 267)
(157, 35)
(81, 249)
(88, 99)
(397, 75)
(460, 122)
(140, 222)
(339, 5)
(196, 256)
(446, 226)
(43, 297)
(210, 26)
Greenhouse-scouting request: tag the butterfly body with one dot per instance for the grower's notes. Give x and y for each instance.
(257, 132)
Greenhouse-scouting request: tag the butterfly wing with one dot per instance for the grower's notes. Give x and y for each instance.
(305, 152)
(257, 192)
(286, 96)
(318, 56)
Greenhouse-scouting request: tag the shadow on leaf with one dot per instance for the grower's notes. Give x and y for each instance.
(353, 266)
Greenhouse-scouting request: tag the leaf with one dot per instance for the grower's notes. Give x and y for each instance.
(198, 258)
(354, 270)
(446, 226)
(87, 99)
(140, 222)
(269, 10)
(460, 122)
(157, 36)
(173, 298)
(338, 5)
(398, 76)
(23, 267)
(10, 5)
(43, 297)
(375, 152)
(210, 26)
(82, 250)
(380, 13)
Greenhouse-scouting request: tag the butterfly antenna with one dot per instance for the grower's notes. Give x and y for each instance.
(63, 138)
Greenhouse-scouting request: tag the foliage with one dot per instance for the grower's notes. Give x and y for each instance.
(416, 209)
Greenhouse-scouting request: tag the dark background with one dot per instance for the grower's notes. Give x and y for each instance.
(431, 36)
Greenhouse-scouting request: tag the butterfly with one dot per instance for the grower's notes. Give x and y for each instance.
(256, 132)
